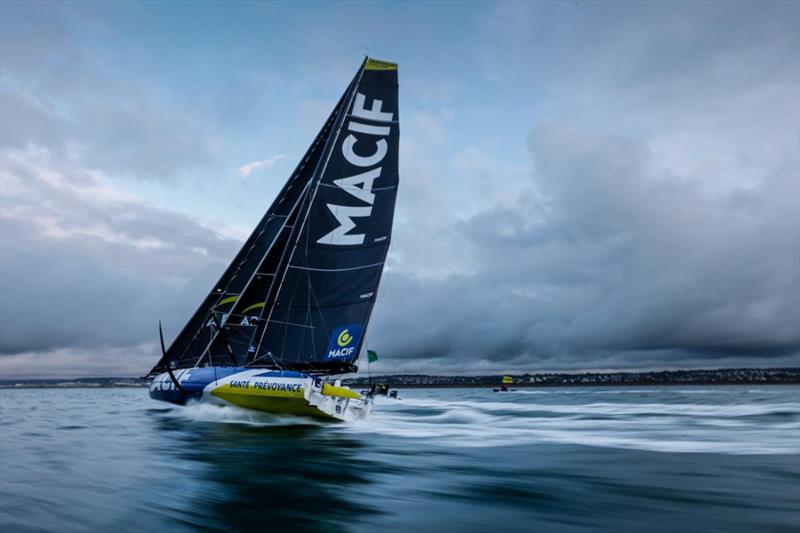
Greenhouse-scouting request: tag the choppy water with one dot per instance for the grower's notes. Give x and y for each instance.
(624, 459)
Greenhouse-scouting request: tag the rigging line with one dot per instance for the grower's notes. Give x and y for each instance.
(238, 333)
(224, 339)
(284, 226)
(246, 255)
(256, 237)
(308, 303)
(288, 189)
(282, 351)
(340, 119)
(312, 294)
(270, 292)
(212, 308)
(262, 224)
(295, 324)
(310, 288)
(263, 258)
(294, 212)
(308, 312)
(280, 261)
(319, 310)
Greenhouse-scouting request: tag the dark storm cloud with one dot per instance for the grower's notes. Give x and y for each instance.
(84, 266)
(660, 222)
(622, 264)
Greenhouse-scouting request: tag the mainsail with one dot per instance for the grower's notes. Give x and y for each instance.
(300, 292)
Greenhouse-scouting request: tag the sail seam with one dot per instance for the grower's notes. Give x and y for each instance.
(298, 267)
(353, 187)
(293, 324)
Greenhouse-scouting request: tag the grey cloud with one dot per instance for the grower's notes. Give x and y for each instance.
(81, 101)
(84, 267)
(622, 261)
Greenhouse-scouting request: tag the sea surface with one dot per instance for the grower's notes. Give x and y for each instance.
(723, 458)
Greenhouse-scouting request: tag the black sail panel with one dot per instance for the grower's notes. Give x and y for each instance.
(322, 306)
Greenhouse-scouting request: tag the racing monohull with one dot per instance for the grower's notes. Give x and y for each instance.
(294, 304)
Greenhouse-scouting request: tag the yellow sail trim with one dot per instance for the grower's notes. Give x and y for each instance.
(252, 307)
(341, 392)
(229, 299)
(377, 64)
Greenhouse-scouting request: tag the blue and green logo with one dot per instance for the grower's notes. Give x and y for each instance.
(344, 341)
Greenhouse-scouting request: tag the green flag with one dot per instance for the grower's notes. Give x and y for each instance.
(372, 356)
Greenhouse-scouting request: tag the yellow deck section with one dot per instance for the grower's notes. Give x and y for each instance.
(341, 392)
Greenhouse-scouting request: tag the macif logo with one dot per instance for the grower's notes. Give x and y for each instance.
(344, 338)
(360, 185)
(344, 341)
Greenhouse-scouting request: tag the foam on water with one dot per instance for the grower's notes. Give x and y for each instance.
(230, 414)
(704, 459)
(531, 417)
(757, 428)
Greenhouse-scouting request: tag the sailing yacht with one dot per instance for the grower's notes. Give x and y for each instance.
(291, 311)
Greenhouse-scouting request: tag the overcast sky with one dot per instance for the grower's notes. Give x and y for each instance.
(584, 185)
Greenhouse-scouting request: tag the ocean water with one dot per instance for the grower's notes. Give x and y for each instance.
(575, 459)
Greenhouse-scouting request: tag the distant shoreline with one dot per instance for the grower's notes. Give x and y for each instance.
(27, 386)
(512, 386)
(591, 385)
(733, 376)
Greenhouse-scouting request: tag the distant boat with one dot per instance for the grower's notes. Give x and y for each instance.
(507, 380)
(294, 304)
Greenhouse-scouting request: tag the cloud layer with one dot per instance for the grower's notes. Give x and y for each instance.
(610, 259)
(607, 185)
(85, 267)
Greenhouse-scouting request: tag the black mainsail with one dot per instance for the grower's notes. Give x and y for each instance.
(300, 292)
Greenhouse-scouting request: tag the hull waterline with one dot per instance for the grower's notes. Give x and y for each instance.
(271, 391)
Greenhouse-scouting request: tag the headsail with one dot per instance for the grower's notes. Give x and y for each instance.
(300, 292)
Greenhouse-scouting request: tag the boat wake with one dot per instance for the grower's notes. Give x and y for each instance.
(675, 424)
(757, 428)
(231, 414)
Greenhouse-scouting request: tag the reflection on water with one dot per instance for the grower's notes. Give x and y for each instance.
(286, 476)
(660, 459)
